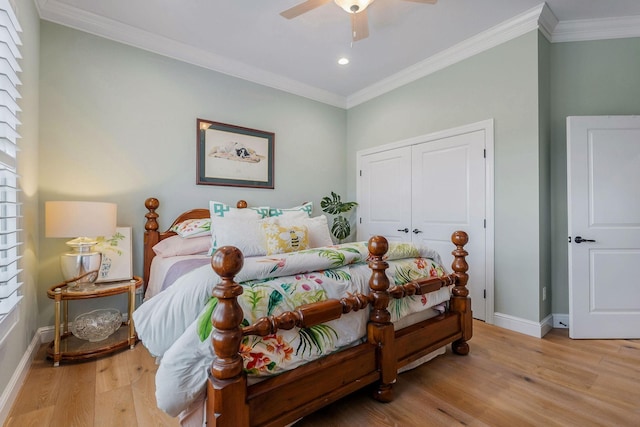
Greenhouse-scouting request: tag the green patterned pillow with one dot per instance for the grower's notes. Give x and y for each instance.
(295, 211)
(218, 209)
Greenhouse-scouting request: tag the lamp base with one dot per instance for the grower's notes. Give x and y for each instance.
(80, 269)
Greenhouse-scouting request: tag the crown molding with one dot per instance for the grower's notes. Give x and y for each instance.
(547, 22)
(539, 17)
(597, 29)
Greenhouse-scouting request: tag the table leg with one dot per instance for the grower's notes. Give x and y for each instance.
(56, 338)
(132, 303)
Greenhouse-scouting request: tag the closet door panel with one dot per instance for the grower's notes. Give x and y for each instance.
(384, 196)
(448, 194)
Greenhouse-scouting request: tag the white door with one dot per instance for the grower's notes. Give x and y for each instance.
(603, 156)
(434, 184)
(385, 211)
(448, 194)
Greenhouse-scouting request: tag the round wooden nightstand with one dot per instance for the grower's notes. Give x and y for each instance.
(66, 346)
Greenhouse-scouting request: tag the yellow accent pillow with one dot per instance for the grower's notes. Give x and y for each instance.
(282, 240)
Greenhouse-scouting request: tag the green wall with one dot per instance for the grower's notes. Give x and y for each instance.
(587, 78)
(544, 126)
(119, 124)
(501, 83)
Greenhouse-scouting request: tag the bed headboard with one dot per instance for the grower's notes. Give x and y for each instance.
(152, 236)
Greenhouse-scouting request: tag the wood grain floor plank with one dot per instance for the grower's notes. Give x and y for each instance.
(147, 412)
(142, 370)
(115, 407)
(41, 387)
(112, 372)
(75, 406)
(36, 418)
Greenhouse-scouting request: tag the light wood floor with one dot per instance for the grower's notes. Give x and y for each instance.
(508, 379)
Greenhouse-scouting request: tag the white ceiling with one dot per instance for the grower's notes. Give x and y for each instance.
(249, 39)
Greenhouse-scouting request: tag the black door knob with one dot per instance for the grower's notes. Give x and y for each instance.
(579, 239)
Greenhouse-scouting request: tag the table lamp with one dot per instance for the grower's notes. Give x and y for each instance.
(84, 221)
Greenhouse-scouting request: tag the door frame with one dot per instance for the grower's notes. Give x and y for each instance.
(487, 127)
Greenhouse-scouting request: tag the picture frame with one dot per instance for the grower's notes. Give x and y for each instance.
(117, 253)
(234, 156)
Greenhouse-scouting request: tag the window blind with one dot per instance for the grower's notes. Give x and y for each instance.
(10, 215)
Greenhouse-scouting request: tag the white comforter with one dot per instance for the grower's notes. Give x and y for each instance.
(175, 324)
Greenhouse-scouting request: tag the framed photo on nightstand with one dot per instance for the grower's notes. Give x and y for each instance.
(116, 256)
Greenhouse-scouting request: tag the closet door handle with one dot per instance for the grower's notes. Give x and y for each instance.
(404, 230)
(416, 231)
(579, 239)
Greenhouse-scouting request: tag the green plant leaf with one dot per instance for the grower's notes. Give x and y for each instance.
(341, 228)
(333, 204)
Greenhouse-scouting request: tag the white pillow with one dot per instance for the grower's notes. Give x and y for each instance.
(176, 245)
(220, 210)
(317, 228)
(243, 233)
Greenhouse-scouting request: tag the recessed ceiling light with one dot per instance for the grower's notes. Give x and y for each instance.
(343, 61)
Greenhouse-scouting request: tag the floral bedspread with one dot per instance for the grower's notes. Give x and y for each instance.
(179, 318)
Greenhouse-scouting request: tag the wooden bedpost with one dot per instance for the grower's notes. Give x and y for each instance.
(460, 301)
(227, 386)
(151, 235)
(380, 330)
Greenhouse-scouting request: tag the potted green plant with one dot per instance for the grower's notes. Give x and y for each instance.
(333, 205)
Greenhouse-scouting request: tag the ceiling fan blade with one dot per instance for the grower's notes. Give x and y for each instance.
(359, 25)
(303, 7)
(423, 1)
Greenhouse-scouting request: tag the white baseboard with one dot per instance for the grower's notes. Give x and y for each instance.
(46, 334)
(561, 320)
(524, 326)
(17, 379)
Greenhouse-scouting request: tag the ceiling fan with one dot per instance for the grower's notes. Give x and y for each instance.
(356, 8)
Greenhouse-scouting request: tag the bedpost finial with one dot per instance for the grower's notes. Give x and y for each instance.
(378, 246)
(242, 204)
(151, 203)
(227, 261)
(460, 238)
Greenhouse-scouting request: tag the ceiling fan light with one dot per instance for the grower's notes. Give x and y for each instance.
(353, 6)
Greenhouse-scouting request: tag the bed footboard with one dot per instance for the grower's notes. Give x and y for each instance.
(299, 392)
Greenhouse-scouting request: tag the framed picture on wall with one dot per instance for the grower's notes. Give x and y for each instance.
(234, 156)
(116, 256)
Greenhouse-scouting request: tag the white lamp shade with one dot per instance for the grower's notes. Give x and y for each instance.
(80, 219)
